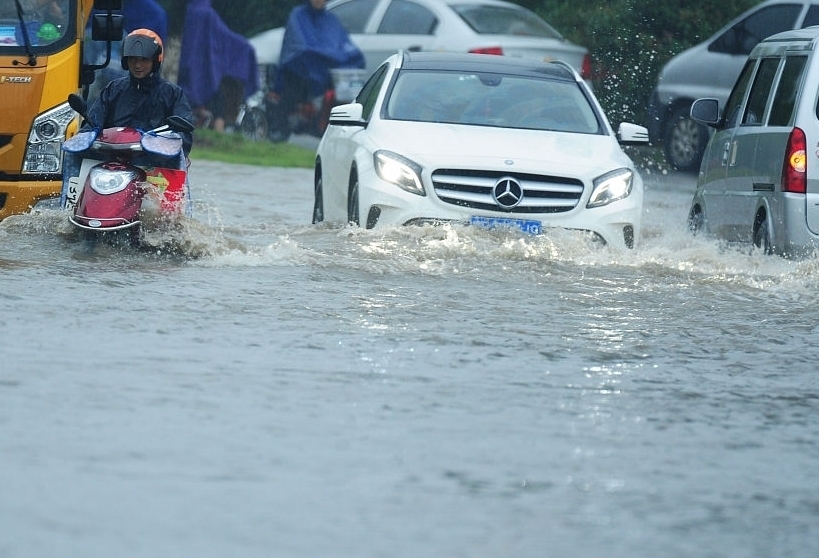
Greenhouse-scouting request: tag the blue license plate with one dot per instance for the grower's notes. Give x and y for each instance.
(529, 226)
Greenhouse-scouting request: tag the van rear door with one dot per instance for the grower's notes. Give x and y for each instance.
(810, 125)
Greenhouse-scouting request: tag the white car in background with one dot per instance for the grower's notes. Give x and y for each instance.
(381, 27)
(488, 141)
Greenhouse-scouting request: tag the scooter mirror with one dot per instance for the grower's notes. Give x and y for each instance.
(179, 124)
(78, 104)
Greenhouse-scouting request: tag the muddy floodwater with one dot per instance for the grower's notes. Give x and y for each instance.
(251, 385)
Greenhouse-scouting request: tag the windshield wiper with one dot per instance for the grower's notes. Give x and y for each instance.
(32, 58)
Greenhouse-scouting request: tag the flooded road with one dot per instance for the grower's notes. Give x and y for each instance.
(256, 386)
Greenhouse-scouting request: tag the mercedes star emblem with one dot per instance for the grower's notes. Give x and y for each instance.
(507, 192)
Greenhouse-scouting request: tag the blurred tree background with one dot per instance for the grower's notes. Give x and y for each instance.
(629, 40)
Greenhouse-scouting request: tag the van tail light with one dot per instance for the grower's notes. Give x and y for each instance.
(586, 67)
(795, 169)
(488, 50)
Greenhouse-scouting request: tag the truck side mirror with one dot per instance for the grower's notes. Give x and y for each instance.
(107, 27)
(108, 5)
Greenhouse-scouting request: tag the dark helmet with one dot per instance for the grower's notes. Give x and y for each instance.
(143, 43)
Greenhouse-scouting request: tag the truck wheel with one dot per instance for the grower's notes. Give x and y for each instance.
(685, 141)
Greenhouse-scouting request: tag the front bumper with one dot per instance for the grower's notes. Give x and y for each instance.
(18, 197)
(618, 224)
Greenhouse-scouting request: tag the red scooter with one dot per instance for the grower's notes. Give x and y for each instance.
(119, 173)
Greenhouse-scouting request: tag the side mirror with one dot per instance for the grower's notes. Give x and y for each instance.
(79, 105)
(107, 27)
(347, 115)
(179, 124)
(632, 134)
(105, 5)
(706, 111)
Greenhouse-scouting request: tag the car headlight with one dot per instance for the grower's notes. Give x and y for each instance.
(400, 171)
(610, 187)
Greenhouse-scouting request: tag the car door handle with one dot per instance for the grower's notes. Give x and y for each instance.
(763, 187)
(415, 48)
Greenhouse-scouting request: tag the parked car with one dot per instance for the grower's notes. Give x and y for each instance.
(709, 69)
(759, 181)
(490, 141)
(381, 27)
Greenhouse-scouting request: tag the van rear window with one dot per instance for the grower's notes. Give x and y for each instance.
(760, 92)
(790, 82)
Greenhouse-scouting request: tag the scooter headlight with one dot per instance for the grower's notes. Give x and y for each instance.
(106, 181)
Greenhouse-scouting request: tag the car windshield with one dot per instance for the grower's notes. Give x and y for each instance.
(505, 101)
(501, 20)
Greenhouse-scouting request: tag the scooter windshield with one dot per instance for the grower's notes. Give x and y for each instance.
(80, 142)
(167, 145)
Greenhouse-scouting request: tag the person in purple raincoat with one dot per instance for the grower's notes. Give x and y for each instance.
(213, 58)
(314, 42)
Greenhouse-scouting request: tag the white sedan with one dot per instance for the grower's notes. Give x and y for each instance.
(381, 27)
(482, 140)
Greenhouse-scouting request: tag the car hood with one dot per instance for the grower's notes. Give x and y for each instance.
(445, 145)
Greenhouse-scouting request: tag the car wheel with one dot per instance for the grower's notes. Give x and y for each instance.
(352, 200)
(685, 141)
(318, 202)
(762, 235)
(696, 221)
(254, 124)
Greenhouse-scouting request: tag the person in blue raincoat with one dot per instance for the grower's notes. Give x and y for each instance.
(314, 42)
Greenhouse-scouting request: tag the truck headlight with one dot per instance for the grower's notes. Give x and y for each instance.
(43, 153)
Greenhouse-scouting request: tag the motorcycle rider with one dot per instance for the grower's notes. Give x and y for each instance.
(137, 14)
(142, 99)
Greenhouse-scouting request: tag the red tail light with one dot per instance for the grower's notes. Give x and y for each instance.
(586, 67)
(488, 50)
(795, 168)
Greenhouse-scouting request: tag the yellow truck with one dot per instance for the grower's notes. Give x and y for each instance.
(41, 62)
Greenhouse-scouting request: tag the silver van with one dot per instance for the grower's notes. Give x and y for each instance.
(710, 69)
(759, 178)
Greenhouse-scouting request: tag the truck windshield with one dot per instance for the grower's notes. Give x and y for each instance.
(41, 26)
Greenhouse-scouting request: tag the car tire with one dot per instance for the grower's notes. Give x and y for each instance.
(685, 141)
(318, 201)
(352, 200)
(762, 235)
(254, 124)
(696, 221)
